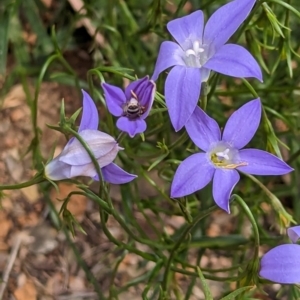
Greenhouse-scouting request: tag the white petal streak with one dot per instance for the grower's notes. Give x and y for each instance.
(99, 142)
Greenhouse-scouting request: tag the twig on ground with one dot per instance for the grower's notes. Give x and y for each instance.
(10, 264)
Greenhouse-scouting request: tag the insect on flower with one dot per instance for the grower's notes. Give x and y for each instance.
(133, 109)
(74, 161)
(131, 106)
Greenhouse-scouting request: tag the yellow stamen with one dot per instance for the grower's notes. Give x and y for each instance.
(230, 166)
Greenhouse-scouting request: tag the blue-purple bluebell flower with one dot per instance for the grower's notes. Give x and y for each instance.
(131, 106)
(223, 155)
(282, 263)
(75, 161)
(199, 50)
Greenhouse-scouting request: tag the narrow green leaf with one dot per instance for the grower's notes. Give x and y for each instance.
(34, 19)
(239, 291)
(21, 51)
(207, 293)
(287, 6)
(4, 26)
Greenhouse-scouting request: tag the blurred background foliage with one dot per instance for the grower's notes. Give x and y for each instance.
(80, 43)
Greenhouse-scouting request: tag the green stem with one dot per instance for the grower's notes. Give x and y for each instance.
(102, 187)
(69, 68)
(293, 157)
(180, 141)
(180, 241)
(90, 153)
(250, 88)
(114, 274)
(204, 93)
(207, 276)
(284, 216)
(128, 230)
(121, 136)
(145, 255)
(77, 254)
(246, 23)
(38, 179)
(251, 218)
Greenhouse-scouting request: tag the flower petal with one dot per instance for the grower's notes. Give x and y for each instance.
(115, 175)
(242, 124)
(87, 170)
(202, 129)
(115, 99)
(57, 170)
(145, 91)
(90, 117)
(100, 143)
(170, 54)
(204, 74)
(225, 21)
(262, 163)
(281, 264)
(132, 127)
(148, 99)
(137, 87)
(193, 174)
(234, 60)
(294, 233)
(223, 183)
(182, 91)
(187, 28)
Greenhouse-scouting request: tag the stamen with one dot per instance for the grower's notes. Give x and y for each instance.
(190, 52)
(133, 94)
(233, 166)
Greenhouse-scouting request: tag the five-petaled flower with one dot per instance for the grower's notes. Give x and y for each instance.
(132, 106)
(75, 161)
(200, 50)
(223, 157)
(282, 263)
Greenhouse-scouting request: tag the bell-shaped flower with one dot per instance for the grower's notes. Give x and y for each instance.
(199, 50)
(75, 161)
(282, 263)
(224, 155)
(131, 106)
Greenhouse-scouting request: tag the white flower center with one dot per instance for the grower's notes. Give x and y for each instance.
(196, 56)
(222, 155)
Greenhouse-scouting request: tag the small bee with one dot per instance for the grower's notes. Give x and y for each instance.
(132, 109)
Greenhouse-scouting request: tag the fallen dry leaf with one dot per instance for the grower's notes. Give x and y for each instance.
(13, 164)
(31, 193)
(26, 291)
(15, 97)
(44, 239)
(6, 225)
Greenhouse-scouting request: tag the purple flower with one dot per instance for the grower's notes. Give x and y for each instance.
(132, 106)
(223, 155)
(282, 263)
(200, 50)
(75, 161)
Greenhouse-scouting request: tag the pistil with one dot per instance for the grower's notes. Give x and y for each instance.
(224, 156)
